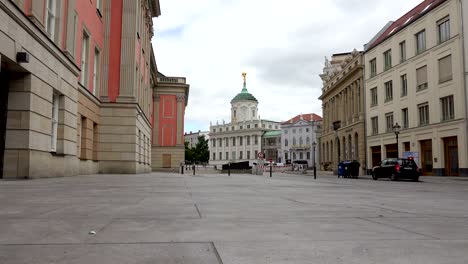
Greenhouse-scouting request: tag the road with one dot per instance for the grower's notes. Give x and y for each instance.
(243, 219)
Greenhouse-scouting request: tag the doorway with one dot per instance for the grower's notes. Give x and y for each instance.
(167, 160)
(391, 151)
(4, 83)
(426, 157)
(376, 155)
(451, 156)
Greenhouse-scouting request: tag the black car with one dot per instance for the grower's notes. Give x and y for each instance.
(395, 169)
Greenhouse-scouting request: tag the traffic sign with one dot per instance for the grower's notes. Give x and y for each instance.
(260, 155)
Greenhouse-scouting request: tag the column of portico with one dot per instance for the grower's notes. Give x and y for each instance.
(180, 118)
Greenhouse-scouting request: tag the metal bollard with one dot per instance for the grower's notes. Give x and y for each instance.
(271, 170)
(315, 172)
(193, 167)
(229, 169)
(182, 169)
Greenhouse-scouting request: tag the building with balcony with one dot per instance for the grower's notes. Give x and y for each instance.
(343, 135)
(271, 145)
(298, 136)
(415, 76)
(241, 139)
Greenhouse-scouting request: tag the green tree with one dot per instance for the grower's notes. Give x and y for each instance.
(189, 158)
(201, 151)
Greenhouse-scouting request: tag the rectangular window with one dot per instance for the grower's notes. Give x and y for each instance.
(240, 155)
(50, 18)
(256, 125)
(233, 155)
(301, 155)
(241, 141)
(373, 67)
(375, 125)
(445, 69)
(389, 122)
(404, 118)
(248, 154)
(285, 156)
(54, 122)
(420, 42)
(404, 85)
(84, 60)
(423, 114)
(214, 156)
(220, 156)
(448, 109)
(256, 154)
(421, 78)
(443, 29)
(96, 71)
(387, 59)
(234, 141)
(308, 155)
(374, 98)
(227, 142)
(248, 140)
(227, 155)
(214, 142)
(220, 142)
(402, 51)
(388, 91)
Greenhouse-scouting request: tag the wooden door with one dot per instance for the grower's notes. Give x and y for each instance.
(167, 160)
(376, 156)
(426, 157)
(451, 156)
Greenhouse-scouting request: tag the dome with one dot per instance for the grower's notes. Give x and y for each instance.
(244, 95)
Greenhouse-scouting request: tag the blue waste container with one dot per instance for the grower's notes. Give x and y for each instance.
(341, 169)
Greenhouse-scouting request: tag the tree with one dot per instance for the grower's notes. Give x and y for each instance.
(200, 153)
(188, 153)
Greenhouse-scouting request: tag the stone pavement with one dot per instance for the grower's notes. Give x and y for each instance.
(170, 218)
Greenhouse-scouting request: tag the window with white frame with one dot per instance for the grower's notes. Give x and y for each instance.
(402, 51)
(423, 110)
(373, 67)
(388, 91)
(404, 85)
(420, 42)
(421, 78)
(96, 71)
(448, 109)
(374, 98)
(389, 121)
(50, 13)
(84, 60)
(54, 121)
(445, 69)
(375, 125)
(404, 118)
(387, 59)
(443, 29)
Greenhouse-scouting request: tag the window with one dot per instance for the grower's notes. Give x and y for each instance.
(308, 155)
(308, 140)
(301, 155)
(54, 121)
(269, 126)
(445, 69)
(253, 113)
(220, 143)
(248, 154)
(220, 156)
(227, 155)
(248, 126)
(443, 29)
(248, 140)
(241, 141)
(423, 114)
(421, 78)
(404, 85)
(235, 113)
(256, 154)
(388, 91)
(256, 140)
(214, 142)
(233, 155)
(285, 156)
(96, 71)
(420, 42)
(301, 142)
(374, 98)
(294, 131)
(214, 130)
(307, 130)
(294, 142)
(286, 143)
(50, 18)
(84, 60)
(214, 156)
(241, 127)
(402, 51)
(256, 125)
(234, 141)
(375, 125)
(285, 131)
(373, 67)
(389, 121)
(404, 118)
(240, 155)
(227, 142)
(448, 112)
(387, 59)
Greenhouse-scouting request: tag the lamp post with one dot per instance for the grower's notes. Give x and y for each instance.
(314, 145)
(396, 130)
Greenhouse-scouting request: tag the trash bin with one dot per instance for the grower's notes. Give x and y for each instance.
(341, 169)
(353, 169)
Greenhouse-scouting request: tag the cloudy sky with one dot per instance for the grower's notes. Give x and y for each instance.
(280, 44)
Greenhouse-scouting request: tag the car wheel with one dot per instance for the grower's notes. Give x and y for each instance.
(393, 177)
(374, 177)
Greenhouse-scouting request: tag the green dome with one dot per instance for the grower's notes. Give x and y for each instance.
(244, 96)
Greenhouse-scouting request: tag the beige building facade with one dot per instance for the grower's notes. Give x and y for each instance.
(343, 134)
(415, 77)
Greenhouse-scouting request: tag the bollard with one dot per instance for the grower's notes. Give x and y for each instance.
(315, 173)
(193, 167)
(229, 169)
(271, 170)
(182, 169)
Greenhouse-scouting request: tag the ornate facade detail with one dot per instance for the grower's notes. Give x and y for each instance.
(180, 98)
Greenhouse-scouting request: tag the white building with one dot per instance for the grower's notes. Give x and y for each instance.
(192, 137)
(298, 136)
(241, 139)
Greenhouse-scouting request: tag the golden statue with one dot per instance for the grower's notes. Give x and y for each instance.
(245, 76)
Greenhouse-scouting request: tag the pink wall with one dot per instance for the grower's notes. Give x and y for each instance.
(89, 20)
(115, 47)
(167, 121)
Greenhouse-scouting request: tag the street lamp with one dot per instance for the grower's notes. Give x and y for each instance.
(396, 130)
(314, 145)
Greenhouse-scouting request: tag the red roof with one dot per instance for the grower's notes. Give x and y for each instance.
(404, 21)
(306, 117)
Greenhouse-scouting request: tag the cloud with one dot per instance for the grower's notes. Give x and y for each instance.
(280, 44)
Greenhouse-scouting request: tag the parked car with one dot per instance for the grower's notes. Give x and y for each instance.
(395, 169)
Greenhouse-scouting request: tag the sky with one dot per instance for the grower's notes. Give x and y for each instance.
(281, 45)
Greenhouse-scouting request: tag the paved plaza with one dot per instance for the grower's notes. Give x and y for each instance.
(243, 219)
